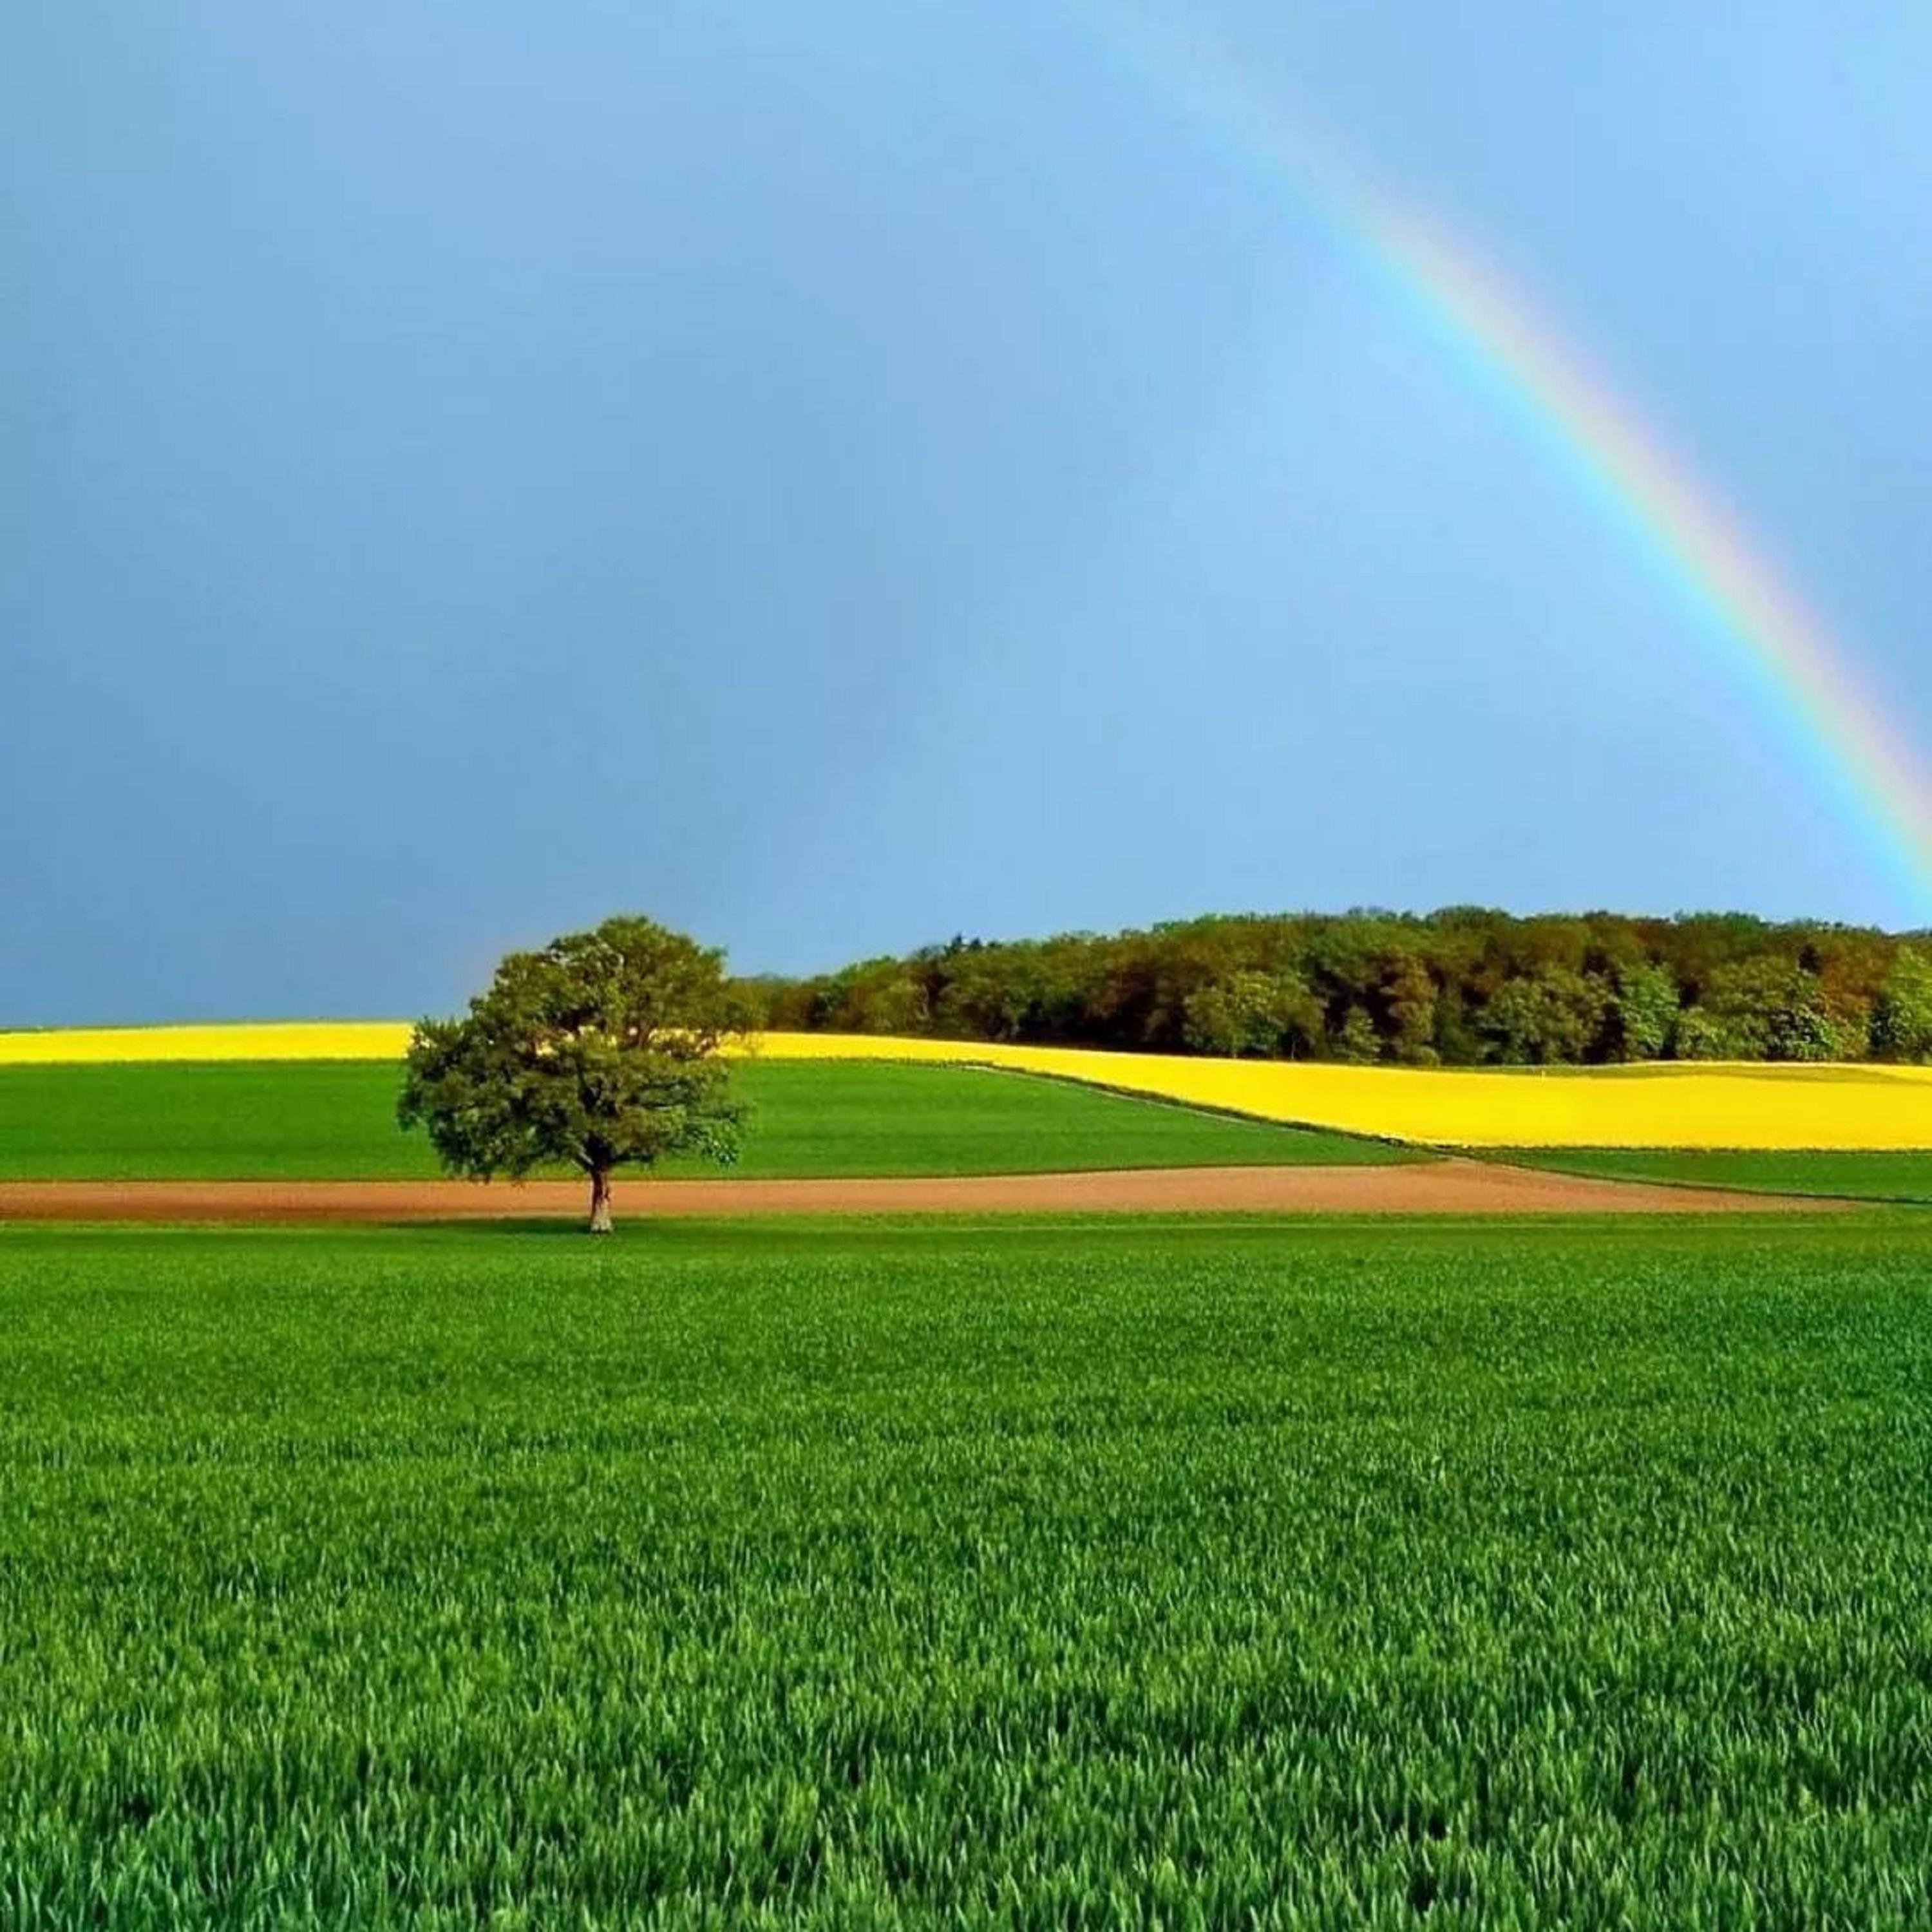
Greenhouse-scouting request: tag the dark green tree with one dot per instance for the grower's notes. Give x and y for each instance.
(1646, 1011)
(1409, 998)
(601, 1050)
(1252, 1013)
(1550, 1017)
(1769, 1009)
(1703, 1035)
(1356, 1040)
(1902, 1027)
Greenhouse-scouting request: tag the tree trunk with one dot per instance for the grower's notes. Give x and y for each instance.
(600, 1200)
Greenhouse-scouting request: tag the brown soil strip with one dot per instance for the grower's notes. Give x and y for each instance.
(1440, 1187)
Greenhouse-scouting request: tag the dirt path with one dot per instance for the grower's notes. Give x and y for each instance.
(1440, 1187)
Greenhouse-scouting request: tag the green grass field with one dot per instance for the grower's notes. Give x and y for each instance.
(1100, 1574)
(1859, 1176)
(316, 1120)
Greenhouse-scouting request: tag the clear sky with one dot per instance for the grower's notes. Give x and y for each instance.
(831, 477)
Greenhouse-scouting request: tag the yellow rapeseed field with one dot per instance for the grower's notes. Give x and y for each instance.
(278, 1040)
(1849, 1107)
(1842, 1107)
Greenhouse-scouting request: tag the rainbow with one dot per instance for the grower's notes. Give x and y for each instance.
(1801, 677)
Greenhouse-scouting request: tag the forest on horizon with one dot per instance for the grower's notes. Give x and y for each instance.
(1464, 986)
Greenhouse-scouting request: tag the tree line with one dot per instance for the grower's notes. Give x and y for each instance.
(1462, 987)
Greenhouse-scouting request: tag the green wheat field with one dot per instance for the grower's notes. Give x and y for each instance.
(1252, 1572)
(1260, 1573)
(296, 1120)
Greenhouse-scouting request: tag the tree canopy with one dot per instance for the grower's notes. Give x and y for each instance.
(1464, 986)
(602, 1050)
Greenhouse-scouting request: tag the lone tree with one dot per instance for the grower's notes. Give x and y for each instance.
(600, 1050)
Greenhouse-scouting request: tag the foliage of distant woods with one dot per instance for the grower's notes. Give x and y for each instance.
(1462, 988)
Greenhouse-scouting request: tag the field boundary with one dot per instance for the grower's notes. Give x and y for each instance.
(1557, 1161)
(1205, 1110)
(1450, 1187)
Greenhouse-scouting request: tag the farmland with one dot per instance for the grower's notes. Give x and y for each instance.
(1067, 1572)
(1902, 1176)
(1863, 1108)
(336, 1120)
(1308, 1575)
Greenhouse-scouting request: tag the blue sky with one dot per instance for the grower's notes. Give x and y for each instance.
(831, 478)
